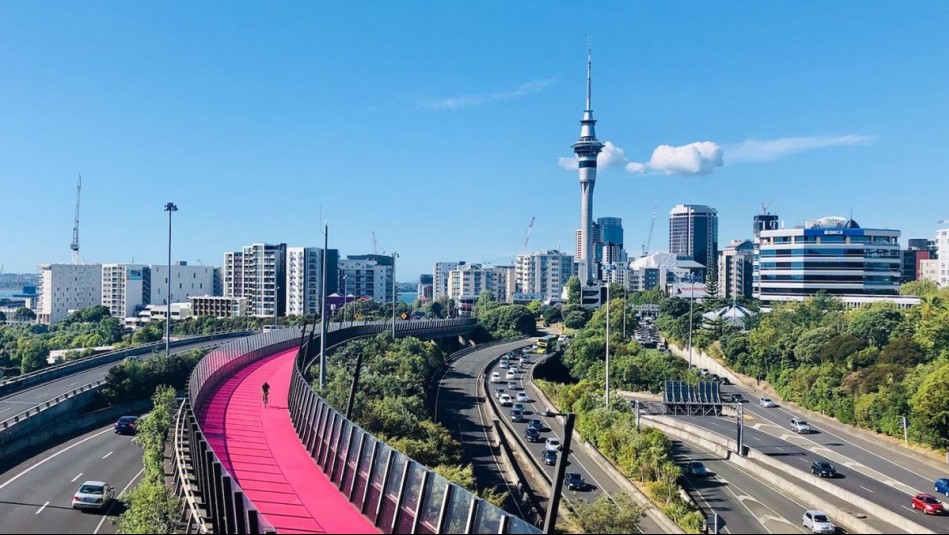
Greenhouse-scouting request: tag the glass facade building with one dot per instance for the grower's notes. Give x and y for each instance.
(693, 231)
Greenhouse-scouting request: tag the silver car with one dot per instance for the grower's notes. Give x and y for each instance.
(93, 495)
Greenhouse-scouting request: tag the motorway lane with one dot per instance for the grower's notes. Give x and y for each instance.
(35, 496)
(23, 400)
(744, 504)
(798, 453)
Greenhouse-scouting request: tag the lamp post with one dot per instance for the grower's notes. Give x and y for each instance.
(326, 238)
(345, 295)
(691, 319)
(607, 345)
(394, 256)
(625, 298)
(169, 207)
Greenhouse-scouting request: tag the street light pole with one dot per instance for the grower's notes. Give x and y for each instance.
(345, 295)
(625, 298)
(169, 207)
(691, 318)
(394, 256)
(607, 345)
(326, 238)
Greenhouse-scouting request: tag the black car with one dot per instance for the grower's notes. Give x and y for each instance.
(697, 469)
(532, 435)
(823, 469)
(126, 425)
(550, 457)
(517, 415)
(536, 424)
(574, 481)
(725, 381)
(738, 398)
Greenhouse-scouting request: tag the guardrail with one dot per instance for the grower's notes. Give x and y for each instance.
(8, 429)
(22, 382)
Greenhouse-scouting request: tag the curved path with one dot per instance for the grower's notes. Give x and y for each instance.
(260, 449)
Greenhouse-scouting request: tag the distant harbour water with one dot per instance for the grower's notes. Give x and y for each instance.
(7, 294)
(408, 297)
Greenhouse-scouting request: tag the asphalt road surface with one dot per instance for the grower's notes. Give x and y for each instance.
(36, 495)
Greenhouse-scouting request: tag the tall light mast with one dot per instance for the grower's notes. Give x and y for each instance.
(75, 227)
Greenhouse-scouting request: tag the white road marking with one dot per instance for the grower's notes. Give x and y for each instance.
(866, 489)
(41, 508)
(75, 478)
(40, 396)
(6, 409)
(58, 453)
(756, 438)
(107, 455)
(779, 448)
(98, 527)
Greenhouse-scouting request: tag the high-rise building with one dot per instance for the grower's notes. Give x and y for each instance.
(362, 276)
(466, 283)
(304, 280)
(219, 307)
(916, 251)
(232, 274)
(259, 273)
(735, 269)
(587, 148)
(218, 284)
(832, 255)
(693, 231)
(64, 288)
(762, 222)
(440, 277)
(942, 254)
(425, 287)
(186, 281)
(543, 273)
(126, 289)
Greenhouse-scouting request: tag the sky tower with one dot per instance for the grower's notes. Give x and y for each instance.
(586, 149)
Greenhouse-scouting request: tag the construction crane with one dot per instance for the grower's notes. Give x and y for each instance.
(766, 205)
(75, 227)
(374, 248)
(529, 228)
(652, 225)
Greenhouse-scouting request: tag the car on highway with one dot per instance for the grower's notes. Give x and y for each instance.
(495, 377)
(550, 457)
(517, 415)
(697, 469)
(125, 425)
(725, 381)
(928, 504)
(818, 522)
(800, 426)
(506, 400)
(509, 375)
(738, 398)
(552, 444)
(823, 469)
(531, 434)
(516, 368)
(522, 396)
(766, 402)
(525, 360)
(498, 393)
(536, 424)
(512, 385)
(703, 371)
(504, 363)
(519, 406)
(548, 412)
(93, 495)
(574, 481)
(941, 485)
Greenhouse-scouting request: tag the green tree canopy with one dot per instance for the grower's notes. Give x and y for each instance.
(23, 314)
(573, 291)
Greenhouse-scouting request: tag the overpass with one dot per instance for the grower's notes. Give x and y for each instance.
(300, 465)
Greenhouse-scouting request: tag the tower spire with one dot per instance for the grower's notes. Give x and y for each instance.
(589, 71)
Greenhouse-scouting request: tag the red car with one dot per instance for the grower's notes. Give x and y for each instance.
(928, 504)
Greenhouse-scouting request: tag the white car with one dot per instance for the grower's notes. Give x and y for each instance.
(552, 444)
(818, 522)
(522, 396)
(499, 392)
(509, 375)
(800, 426)
(504, 363)
(767, 402)
(93, 495)
(512, 385)
(495, 377)
(506, 400)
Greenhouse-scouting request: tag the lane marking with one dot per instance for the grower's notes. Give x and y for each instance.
(105, 516)
(41, 508)
(57, 454)
(40, 396)
(75, 478)
(107, 455)
(866, 489)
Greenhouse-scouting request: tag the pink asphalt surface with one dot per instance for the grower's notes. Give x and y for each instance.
(261, 450)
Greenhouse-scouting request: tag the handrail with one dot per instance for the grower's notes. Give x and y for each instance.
(182, 486)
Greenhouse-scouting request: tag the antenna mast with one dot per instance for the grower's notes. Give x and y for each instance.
(75, 228)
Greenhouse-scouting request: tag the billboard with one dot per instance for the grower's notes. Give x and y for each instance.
(134, 275)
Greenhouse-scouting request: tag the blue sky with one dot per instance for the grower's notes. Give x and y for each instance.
(439, 126)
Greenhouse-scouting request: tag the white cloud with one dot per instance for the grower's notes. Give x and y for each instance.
(610, 156)
(762, 151)
(454, 103)
(699, 158)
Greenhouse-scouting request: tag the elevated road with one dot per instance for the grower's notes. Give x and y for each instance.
(36, 495)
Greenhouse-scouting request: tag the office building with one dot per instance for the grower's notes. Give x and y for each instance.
(929, 270)
(361, 276)
(425, 288)
(218, 283)
(64, 288)
(942, 254)
(762, 222)
(544, 273)
(126, 289)
(219, 307)
(735, 270)
(305, 278)
(185, 281)
(693, 231)
(833, 255)
(259, 273)
(916, 251)
(609, 240)
(440, 277)
(232, 274)
(657, 270)
(586, 149)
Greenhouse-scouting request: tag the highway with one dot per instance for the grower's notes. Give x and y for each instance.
(23, 400)
(35, 496)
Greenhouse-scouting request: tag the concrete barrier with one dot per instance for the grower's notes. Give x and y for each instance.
(40, 416)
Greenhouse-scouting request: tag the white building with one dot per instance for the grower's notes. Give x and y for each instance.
(543, 272)
(832, 255)
(65, 288)
(364, 277)
(470, 280)
(942, 245)
(232, 274)
(186, 281)
(304, 280)
(219, 307)
(735, 269)
(658, 270)
(126, 288)
(929, 270)
(259, 273)
(440, 277)
(179, 311)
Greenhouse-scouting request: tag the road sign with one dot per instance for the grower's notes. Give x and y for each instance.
(405, 316)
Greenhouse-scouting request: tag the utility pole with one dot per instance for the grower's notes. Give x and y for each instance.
(741, 429)
(394, 256)
(326, 234)
(607, 345)
(905, 425)
(691, 314)
(169, 207)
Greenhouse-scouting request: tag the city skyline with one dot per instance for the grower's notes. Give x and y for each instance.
(259, 108)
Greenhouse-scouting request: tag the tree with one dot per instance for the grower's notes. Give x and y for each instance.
(903, 351)
(875, 323)
(486, 301)
(609, 514)
(551, 314)
(32, 353)
(711, 282)
(921, 288)
(535, 307)
(575, 320)
(23, 314)
(573, 291)
(931, 407)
